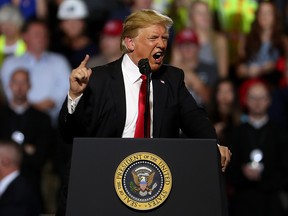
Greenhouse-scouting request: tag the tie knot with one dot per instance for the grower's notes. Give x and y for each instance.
(143, 77)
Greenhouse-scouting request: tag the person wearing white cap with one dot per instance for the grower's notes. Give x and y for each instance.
(74, 42)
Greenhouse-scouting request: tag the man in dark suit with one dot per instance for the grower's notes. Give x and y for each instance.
(103, 101)
(16, 196)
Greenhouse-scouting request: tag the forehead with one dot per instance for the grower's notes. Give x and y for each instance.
(225, 85)
(200, 6)
(37, 27)
(258, 89)
(19, 74)
(265, 7)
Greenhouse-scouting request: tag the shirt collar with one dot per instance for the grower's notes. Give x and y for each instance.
(5, 182)
(31, 56)
(130, 69)
(258, 123)
(19, 109)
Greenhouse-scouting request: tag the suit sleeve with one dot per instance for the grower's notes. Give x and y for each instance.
(193, 118)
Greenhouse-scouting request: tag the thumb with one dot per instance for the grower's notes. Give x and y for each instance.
(85, 60)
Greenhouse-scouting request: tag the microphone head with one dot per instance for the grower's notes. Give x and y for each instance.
(144, 66)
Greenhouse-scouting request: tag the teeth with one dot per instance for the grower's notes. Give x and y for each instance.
(157, 55)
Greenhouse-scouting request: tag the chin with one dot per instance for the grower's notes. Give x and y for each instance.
(155, 67)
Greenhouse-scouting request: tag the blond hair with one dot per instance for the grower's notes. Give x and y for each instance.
(11, 14)
(142, 19)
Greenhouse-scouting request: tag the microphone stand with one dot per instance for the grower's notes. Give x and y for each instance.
(147, 106)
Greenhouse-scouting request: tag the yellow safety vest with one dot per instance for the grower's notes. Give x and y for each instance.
(20, 48)
(236, 15)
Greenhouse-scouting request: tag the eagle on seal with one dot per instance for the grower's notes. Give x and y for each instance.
(143, 182)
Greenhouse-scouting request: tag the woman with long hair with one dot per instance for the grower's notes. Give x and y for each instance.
(260, 50)
(213, 45)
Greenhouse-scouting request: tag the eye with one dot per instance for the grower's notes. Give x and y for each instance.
(165, 38)
(153, 38)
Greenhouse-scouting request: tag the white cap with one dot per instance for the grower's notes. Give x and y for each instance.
(72, 9)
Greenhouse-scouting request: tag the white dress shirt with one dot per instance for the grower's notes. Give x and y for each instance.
(132, 83)
(6, 181)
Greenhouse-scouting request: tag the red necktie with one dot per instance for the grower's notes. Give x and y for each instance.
(139, 131)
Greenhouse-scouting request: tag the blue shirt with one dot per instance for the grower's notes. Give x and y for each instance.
(49, 78)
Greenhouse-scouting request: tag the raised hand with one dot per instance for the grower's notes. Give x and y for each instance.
(79, 79)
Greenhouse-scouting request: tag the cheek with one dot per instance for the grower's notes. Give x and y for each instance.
(229, 97)
(142, 50)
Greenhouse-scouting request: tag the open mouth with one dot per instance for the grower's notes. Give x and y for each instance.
(158, 55)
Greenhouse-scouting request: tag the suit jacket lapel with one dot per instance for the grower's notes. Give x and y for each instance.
(118, 91)
(160, 92)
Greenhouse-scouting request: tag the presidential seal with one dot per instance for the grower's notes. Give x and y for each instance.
(143, 181)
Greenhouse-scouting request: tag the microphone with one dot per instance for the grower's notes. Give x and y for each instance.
(144, 67)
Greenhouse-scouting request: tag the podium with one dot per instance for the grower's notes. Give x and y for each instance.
(197, 186)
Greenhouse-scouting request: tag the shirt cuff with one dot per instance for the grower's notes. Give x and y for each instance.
(71, 104)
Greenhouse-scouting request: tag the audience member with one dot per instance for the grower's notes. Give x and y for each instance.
(261, 48)
(49, 72)
(109, 44)
(129, 7)
(75, 42)
(29, 8)
(200, 77)
(28, 127)
(162, 6)
(16, 196)
(179, 11)
(258, 171)
(235, 18)
(11, 42)
(213, 46)
(224, 110)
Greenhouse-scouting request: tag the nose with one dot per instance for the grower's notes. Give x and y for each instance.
(161, 43)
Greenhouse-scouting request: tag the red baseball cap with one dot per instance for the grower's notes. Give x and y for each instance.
(187, 35)
(246, 85)
(113, 28)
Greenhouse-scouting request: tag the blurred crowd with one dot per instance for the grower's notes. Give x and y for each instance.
(234, 57)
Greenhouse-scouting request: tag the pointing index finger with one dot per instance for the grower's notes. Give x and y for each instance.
(85, 60)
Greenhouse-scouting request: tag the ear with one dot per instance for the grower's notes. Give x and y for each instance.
(5, 162)
(129, 43)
